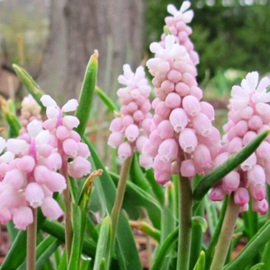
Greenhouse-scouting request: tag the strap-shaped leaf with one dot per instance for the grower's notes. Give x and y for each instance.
(106, 100)
(164, 249)
(87, 91)
(32, 87)
(12, 120)
(233, 162)
(104, 245)
(200, 264)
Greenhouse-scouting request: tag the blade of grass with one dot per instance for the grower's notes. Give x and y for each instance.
(87, 91)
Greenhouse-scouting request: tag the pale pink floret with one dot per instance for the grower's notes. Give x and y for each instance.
(217, 193)
(188, 140)
(168, 150)
(188, 168)
(22, 217)
(79, 167)
(241, 196)
(34, 194)
(124, 151)
(178, 119)
(51, 209)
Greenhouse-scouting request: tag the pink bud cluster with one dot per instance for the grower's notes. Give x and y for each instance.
(64, 138)
(30, 111)
(249, 114)
(181, 127)
(177, 25)
(29, 177)
(30, 165)
(127, 128)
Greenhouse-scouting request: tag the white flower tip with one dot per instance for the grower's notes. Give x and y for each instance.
(185, 6)
(171, 9)
(70, 106)
(2, 144)
(34, 128)
(48, 101)
(155, 47)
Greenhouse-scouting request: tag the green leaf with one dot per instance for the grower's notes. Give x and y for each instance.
(79, 218)
(251, 249)
(11, 118)
(211, 213)
(164, 249)
(233, 162)
(200, 264)
(12, 231)
(200, 221)
(258, 266)
(156, 188)
(87, 91)
(106, 100)
(63, 262)
(44, 250)
(137, 176)
(32, 87)
(104, 245)
(16, 254)
(168, 221)
(57, 230)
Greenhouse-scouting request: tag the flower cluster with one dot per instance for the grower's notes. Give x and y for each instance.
(248, 116)
(64, 138)
(181, 127)
(177, 25)
(29, 177)
(127, 129)
(30, 164)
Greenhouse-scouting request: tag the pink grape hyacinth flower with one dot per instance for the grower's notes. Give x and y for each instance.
(249, 115)
(65, 139)
(182, 137)
(177, 25)
(29, 177)
(132, 124)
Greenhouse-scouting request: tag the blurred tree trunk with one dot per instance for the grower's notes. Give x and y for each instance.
(53, 73)
(113, 27)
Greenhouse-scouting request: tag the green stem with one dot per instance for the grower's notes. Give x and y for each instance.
(68, 226)
(68, 214)
(185, 223)
(120, 195)
(31, 242)
(225, 236)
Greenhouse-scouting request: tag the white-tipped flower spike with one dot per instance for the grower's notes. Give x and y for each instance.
(177, 26)
(181, 128)
(249, 114)
(135, 108)
(67, 140)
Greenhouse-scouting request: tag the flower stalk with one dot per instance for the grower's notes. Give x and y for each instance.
(225, 235)
(31, 242)
(185, 223)
(120, 195)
